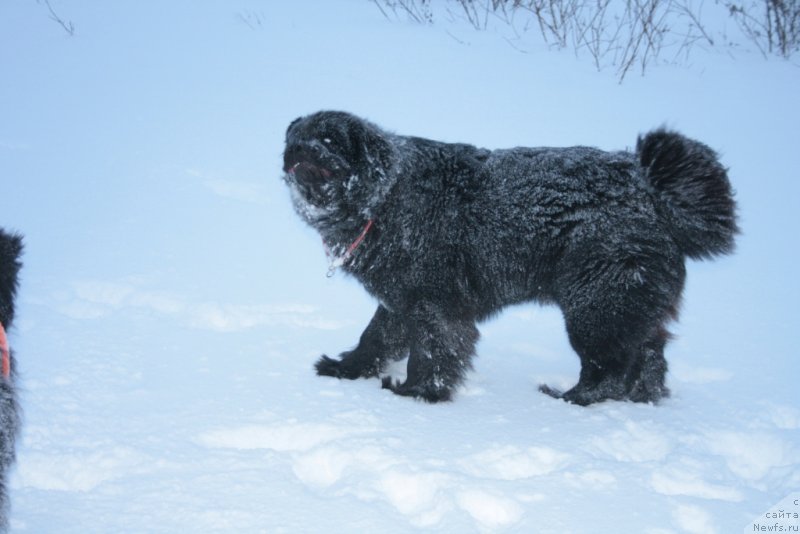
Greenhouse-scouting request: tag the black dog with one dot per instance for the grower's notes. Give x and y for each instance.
(444, 235)
(10, 251)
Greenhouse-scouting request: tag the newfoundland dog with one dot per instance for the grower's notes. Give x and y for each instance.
(444, 235)
(10, 251)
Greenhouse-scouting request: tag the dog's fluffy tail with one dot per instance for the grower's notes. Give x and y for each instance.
(697, 199)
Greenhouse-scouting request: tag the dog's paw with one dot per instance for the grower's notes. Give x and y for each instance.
(428, 393)
(573, 396)
(648, 393)
(346, 367)
(584, 395)
(553, 392)
(327, 366)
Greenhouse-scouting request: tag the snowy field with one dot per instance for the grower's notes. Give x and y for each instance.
(172, 304)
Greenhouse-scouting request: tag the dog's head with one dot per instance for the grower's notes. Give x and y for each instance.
(337, 166)
(10, 252)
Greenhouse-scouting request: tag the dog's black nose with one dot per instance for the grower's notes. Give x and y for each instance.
(301, 151)
(291, 157)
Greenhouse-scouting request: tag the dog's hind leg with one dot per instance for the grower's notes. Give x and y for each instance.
(647, 385)
(615, 320)
(442, 347)
(384, 339)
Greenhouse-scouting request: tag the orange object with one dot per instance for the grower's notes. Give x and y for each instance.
(6, 352)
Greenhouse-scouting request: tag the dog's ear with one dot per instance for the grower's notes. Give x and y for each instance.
(383, 151)
(371, 146)
(10, 251)
(11, 245)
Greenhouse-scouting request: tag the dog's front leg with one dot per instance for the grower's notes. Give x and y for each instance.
(442, 347)
(384, 339)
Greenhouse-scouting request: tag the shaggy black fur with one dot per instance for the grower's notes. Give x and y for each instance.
(10, 251)
(460, 232)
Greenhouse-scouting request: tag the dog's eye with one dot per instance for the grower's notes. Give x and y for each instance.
(327, 140)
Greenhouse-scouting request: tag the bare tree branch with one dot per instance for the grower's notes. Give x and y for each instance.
(66, 25)
(625, 34)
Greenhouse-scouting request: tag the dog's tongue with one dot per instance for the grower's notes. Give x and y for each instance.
(325, 172)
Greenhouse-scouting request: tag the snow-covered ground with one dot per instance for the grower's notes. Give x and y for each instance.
(172, 304)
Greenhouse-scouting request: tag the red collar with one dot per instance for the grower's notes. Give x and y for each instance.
(338, 261)
(6, 353)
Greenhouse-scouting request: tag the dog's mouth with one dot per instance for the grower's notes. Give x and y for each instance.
(312, 181)
(306, 169)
